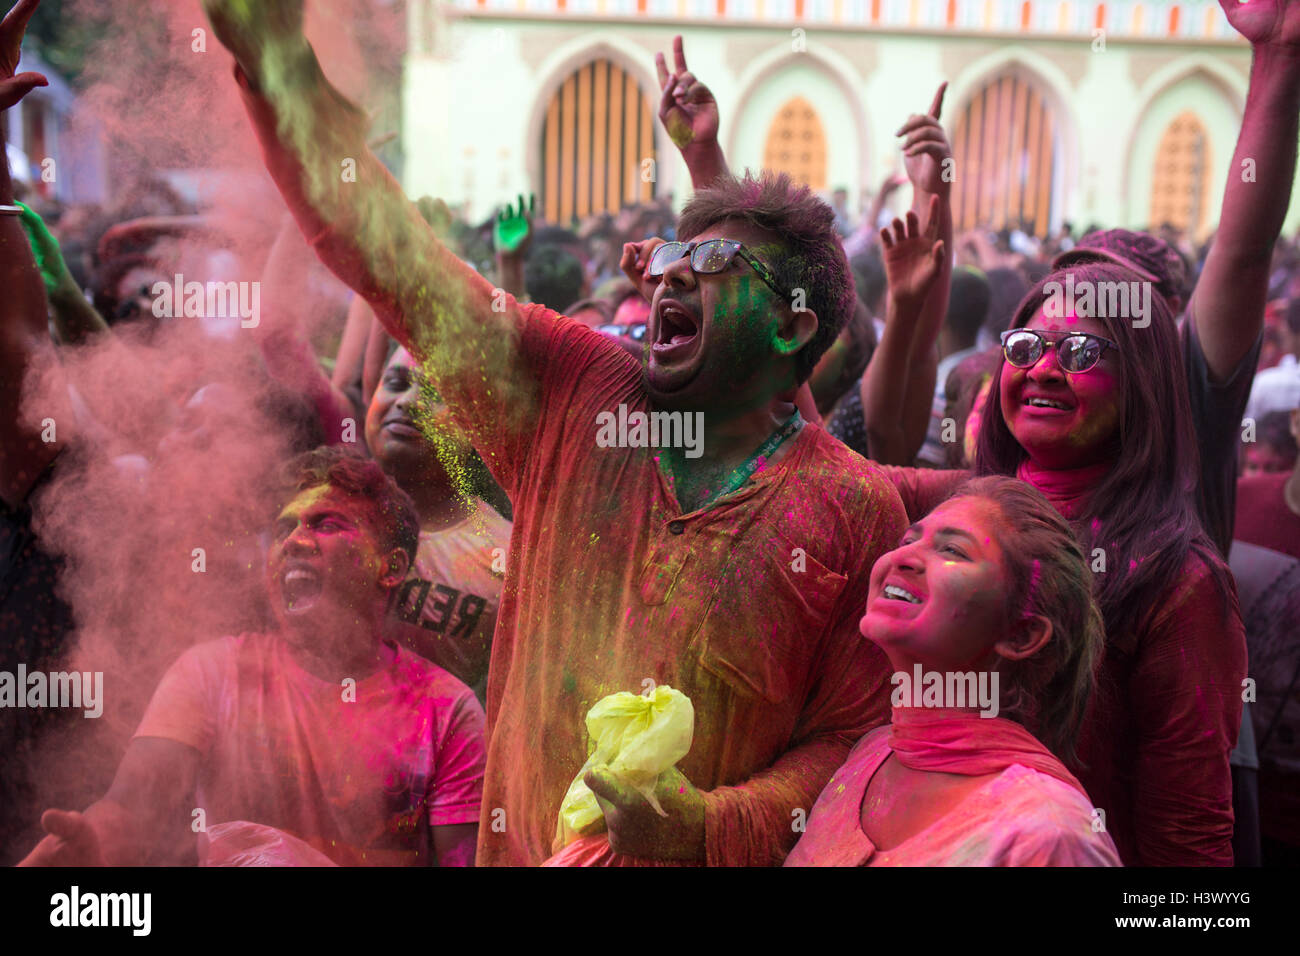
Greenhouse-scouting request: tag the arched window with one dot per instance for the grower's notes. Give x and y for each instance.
(598, 144)
(1005, 144)
(796, 144)
(1180, 188)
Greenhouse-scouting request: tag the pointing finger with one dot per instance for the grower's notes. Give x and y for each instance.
(937, 106)
(17, 17)
(679, 54)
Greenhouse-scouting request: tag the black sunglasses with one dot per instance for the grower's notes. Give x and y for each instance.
(1075, 351)
(711, 257)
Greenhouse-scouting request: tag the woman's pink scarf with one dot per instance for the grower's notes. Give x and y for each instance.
(951, 741)
(1068, 491)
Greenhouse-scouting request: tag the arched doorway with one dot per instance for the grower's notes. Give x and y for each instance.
(796, 144)
(1180, 184)
(597, 144)
(1006, 146)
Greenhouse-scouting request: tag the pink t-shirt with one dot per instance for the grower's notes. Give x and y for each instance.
(360, 780)
(1019, 818)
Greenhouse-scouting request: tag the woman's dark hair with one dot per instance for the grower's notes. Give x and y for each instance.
(1047, 576)
(1142, 515)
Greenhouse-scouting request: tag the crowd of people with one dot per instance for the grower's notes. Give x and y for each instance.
(919, 472)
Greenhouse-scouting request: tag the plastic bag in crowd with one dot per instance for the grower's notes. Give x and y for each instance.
(240, 843)
(637, 737)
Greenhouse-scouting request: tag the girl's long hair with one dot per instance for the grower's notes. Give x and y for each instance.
(1142, 515)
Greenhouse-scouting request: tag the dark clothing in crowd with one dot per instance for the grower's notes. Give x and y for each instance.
(35, 627)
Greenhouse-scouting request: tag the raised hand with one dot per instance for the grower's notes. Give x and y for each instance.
(13, 87)
(1273, 23)
(926, 149)
(45, 249)
(248, 29)
(513, 229)
(687, 108)
(912, 257)
(635, 264)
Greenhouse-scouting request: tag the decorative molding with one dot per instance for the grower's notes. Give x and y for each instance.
(1176, 21)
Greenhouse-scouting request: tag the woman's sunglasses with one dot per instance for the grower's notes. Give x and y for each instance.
(635, 332)
(1075, 351)
(711, 257)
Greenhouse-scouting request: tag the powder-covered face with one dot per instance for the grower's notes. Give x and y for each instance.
(134, 292)
(325, 562)
(1081, 425)
(402, 414)
(939, 597)
(633, 310)
(711, 338)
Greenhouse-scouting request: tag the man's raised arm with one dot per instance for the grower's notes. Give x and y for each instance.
(1228, 304)
(355, 214)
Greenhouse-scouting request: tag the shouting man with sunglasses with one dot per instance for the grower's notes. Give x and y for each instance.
(736, 576)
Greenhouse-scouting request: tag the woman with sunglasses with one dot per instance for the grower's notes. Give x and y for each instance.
(1093, 412)
(992, 582)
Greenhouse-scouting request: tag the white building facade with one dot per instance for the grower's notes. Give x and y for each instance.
(1059, 111)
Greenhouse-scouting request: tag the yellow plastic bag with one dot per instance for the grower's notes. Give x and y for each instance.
(637, 737)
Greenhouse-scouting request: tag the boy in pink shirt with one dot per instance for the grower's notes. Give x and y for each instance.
(322, 729)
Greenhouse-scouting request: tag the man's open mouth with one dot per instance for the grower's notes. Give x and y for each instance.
(676, 330)
(300, 586)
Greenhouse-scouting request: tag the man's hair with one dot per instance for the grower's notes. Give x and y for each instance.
(812, 258)
(968, 304)
(391, 511)
(1275, 431)
(1046, 575)
(553, 276)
